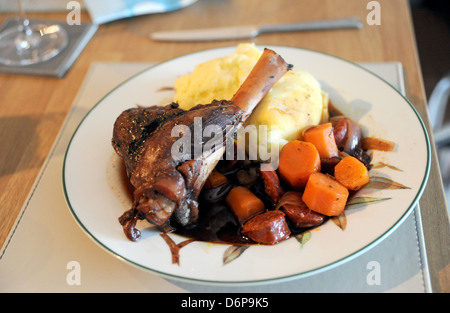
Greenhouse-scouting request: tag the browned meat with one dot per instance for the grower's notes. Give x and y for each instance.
(347, 134)
(297, 212)
(132, 128)
(349, 139)
(272, 185)
(327, 164)
(267, 228)
(165, 185)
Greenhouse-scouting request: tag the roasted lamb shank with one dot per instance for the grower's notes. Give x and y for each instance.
(166, 189)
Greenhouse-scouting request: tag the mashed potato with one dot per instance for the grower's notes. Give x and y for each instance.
(296, 101)
(216, 79)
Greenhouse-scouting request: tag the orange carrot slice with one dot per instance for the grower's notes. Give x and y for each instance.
(297, 161)
(244, 203)
(351, 173)
(215, 179)
(322, 137)
(325, 195)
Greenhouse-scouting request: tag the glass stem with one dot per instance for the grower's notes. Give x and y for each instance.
(23, 19)
(27, 40)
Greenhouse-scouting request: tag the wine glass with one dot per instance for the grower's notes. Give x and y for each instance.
(24, 42)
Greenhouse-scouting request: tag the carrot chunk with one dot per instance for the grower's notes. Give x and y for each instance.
(215, 179)
(297, 161)
(323, 194)
(244, 203)
(322, 137)
(351, 173)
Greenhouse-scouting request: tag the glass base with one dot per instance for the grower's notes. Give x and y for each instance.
(39, 42)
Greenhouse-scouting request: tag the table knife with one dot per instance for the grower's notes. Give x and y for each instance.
(245, 32)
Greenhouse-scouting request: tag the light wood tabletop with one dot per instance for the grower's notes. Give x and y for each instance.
(33, 109)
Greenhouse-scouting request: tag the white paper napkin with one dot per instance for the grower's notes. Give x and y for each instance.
(118, 9)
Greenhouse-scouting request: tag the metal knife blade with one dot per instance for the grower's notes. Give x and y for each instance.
(245, 32)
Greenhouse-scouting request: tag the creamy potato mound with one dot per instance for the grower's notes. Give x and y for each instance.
(295, 102)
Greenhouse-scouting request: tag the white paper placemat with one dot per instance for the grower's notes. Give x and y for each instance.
(46, 247)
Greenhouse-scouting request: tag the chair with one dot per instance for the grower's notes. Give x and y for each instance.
(437, 105)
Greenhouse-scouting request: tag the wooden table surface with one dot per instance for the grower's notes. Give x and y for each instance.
(33, 109)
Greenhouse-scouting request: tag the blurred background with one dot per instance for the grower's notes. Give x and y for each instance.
(431, 20)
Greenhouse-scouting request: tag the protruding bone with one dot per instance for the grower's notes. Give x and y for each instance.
(267, 71)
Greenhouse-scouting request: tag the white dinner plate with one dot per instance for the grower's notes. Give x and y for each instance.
(96, 197)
